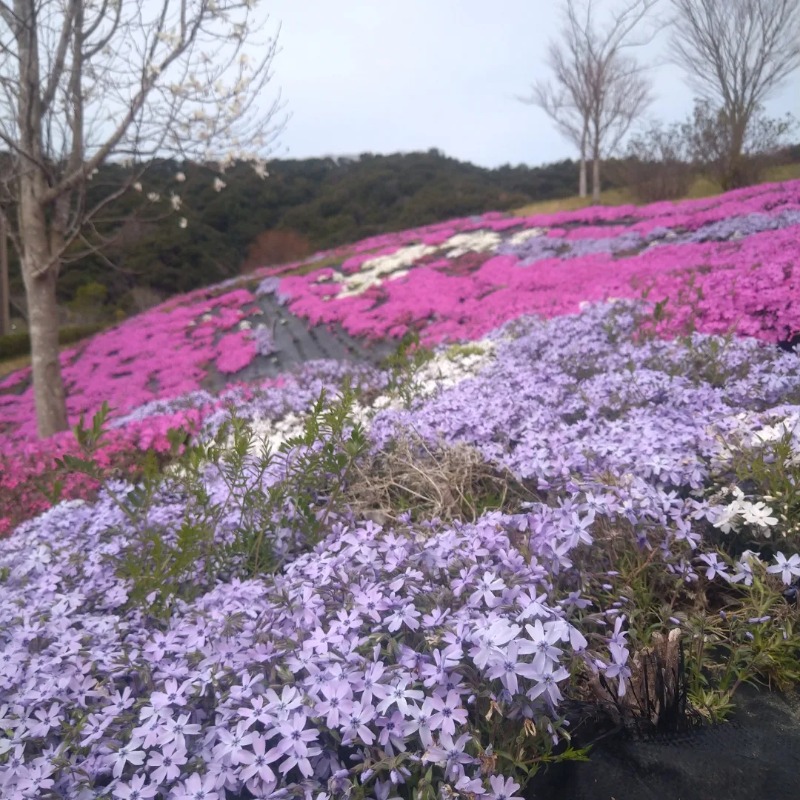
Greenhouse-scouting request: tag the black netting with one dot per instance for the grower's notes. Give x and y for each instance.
(755, 755)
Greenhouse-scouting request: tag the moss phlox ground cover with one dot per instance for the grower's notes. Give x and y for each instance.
(418, 657)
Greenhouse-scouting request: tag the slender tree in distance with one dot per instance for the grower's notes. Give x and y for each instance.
(736, 53)
(88, 81)
(596, 90)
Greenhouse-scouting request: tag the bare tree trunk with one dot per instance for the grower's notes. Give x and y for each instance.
(582, 183)
(40, 273)
(733, 174)
(596, 177)
(48, 384)
(5, 295)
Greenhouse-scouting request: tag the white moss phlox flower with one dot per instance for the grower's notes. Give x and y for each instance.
(447, 368)
(759, 514)
(375, 270)
(474, 242)
(742, 511)
(776, 432)
(523, 236)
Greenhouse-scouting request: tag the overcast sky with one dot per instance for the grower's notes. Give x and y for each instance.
(383, 76)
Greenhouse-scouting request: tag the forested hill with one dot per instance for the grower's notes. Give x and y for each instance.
(314, 204)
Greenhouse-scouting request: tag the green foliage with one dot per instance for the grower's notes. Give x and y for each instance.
(404, 367)
(13, 345)
(88, 296)
(457, 351)
(292, 494)
(297, 489)
(520, 748)
(752, 638)
(767, 465)
(730, 633)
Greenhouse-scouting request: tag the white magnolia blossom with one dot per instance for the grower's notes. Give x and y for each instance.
(182, 222)
(137, 186)
(168, 38)
(153, 197)
(180, 177)
(219, 184)
(175, 201)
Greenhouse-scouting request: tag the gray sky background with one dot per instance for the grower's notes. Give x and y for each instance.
(384, 76)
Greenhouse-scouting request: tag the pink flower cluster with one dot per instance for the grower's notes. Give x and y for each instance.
(160, 354)
(747, 283)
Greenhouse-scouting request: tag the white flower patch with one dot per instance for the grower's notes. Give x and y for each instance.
(523, 236)
(273, 433)
(774, 433)
(749, 432)
(447, 368)
(375, 270)
(474, 242)
(742, 511)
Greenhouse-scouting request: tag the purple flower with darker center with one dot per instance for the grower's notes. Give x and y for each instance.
(503, 788)
(137, 789)
(256, 762)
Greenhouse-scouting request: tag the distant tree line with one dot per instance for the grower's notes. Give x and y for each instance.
(302, 207)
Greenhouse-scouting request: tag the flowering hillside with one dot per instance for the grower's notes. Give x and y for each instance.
(401, 580)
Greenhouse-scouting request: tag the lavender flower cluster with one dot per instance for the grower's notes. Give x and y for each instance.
(576, 396)
(264, 340)
(374, 646)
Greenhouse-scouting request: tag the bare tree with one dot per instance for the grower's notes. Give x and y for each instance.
(86, 81)
(736, 53)
(596, 90)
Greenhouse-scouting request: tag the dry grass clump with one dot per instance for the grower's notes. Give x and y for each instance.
(442, 481)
